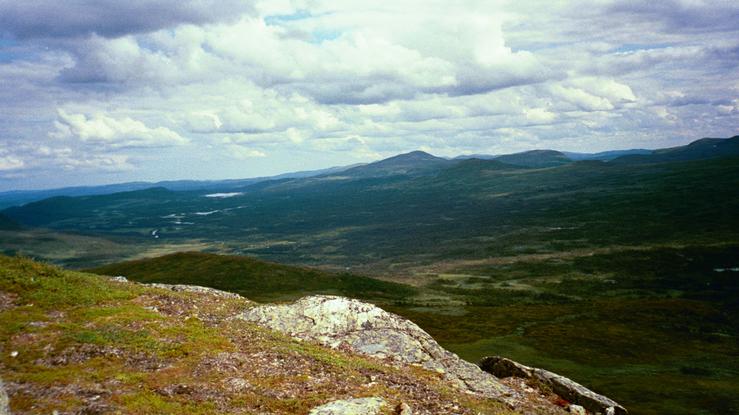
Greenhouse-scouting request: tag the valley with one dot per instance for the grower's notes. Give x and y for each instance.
(618, 272)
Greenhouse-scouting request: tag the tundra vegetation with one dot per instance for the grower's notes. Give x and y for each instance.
(621, 273)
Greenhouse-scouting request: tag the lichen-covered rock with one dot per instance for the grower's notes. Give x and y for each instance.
(361, 406)
(369, 330)
(566, 388)
(4, 404)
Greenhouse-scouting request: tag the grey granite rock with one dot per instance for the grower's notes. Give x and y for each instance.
(4, 402)
(562, 386)
(369, 330)
(195, 289)
(361, 406)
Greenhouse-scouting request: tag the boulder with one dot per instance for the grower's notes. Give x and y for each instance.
(361, 406)
(567, 389)
(369, 330)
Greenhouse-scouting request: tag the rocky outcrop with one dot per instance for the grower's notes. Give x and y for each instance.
(569, 390)
(362, 406)
(4, 404)
(195, 289)
(183, 288)
(368, 330)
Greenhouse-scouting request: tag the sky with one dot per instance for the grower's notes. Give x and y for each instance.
(109, 91)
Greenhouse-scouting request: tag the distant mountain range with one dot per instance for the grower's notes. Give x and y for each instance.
(20, 197)
(705, 148)
(419, 163)
(416, 163)
(408, 204)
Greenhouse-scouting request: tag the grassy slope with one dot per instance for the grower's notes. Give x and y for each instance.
(255, 279)
(90, 345)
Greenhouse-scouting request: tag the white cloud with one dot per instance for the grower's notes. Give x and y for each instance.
(97, 162)
(10, 163)
(333, 82)
(539, 115)
(99, 128)
(242, 153)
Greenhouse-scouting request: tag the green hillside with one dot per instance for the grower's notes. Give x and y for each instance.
(413, 163)
(705, 148)
(83, 344)
(535, 159)
(7, 224)
(254, 279)
(472, 209)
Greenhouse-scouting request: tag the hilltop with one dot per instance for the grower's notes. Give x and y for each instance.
(413, 163)
(80, 343)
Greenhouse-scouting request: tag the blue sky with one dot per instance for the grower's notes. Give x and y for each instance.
(108, 91)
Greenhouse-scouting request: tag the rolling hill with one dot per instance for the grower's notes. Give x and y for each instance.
(21, 197)
(705, 148)
(409, 164)
(254, 279)
(535, 159)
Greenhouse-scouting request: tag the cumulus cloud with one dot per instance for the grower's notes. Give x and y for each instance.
(299, 84)
(112, 132)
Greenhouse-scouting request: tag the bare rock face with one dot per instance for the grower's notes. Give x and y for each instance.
(562, 386)
(362, 406)
(369, 330)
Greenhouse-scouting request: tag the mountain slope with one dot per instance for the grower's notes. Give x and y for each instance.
(705, 148)
(79, 343)
(21, 197)
(605, 155)
(7, 224)
(535, 159)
